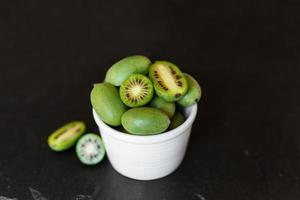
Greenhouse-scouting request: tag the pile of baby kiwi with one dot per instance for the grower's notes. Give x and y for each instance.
(142, 98)
(137, 97)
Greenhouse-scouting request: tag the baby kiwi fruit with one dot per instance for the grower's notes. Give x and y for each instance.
(136, 91)
(66, 136)
(177, 120)
(107, 103)
(90, 149)
(194, 93)
(168, 107)
(145, 121)
(169, 82)
(121, 70)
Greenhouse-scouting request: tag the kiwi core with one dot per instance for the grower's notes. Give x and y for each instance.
(90, 149)
(167, 77)
(136, 90)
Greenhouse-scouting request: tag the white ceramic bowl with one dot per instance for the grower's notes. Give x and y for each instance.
(147, 157)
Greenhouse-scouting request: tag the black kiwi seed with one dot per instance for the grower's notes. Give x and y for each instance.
(177, 95)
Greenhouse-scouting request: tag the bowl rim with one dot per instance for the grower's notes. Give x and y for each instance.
(147, 139)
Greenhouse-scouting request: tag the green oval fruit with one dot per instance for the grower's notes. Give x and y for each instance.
(194, 93)
(66, 136)
(168, 107)
(107, 103)
(121, 70)
(90, 149)
(168, 81)
(177, 120)
(145, 121)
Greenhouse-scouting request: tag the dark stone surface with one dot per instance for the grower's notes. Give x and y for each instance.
(246, 55)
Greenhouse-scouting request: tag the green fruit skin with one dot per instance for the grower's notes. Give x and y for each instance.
(165, 94)
(145, 121)
(194, 93)
(56, 145)
(107, 103)
(168, 107)
(177, 120)
(146, 99)
(121, 70)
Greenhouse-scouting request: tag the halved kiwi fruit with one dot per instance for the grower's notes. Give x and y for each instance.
(169, 82)
(136, 91)
(90, 149)
(66, 136)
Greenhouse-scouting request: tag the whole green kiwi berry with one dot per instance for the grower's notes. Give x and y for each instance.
(177, 120)
(107, 103)
(168, 107)
(145, 121)
(121, 70)
(194, 93)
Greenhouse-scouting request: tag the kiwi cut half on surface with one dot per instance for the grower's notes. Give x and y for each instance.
(90, 149)
(169, 82)
(66, 136)
(136, 91)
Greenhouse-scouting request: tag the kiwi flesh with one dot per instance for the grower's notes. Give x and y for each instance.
(194, 93)
(136, 91)
(168, 107)
(90, 149)
(169, 82)
(66, 136)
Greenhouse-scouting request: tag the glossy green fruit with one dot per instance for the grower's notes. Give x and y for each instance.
(107, 103)
(66, 136)
(168, 107)
(168, 81)
(177, 120)
(121, 70)
(145, 121)
(194, 93)
(136, 91)
(90, 149)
